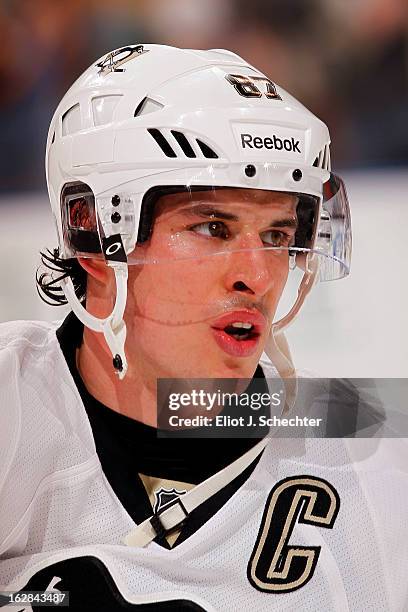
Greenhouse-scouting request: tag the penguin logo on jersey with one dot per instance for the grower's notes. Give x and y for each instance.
(275, 565)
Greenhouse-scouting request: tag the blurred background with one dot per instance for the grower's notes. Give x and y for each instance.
(346, 60)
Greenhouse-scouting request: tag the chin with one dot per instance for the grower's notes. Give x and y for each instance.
(235, 369)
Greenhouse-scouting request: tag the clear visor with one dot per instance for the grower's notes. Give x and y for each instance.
(277, 229)
(210, 225)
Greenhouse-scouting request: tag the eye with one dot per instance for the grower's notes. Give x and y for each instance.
(277, 238)
(213, 229)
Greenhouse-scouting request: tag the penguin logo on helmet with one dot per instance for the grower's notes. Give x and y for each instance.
(122, 55)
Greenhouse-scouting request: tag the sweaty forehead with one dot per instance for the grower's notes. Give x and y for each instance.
(229, 199)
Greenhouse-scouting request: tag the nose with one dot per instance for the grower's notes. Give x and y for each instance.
(250, 269)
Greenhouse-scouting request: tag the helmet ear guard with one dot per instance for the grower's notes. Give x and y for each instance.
(79, 220)
(80, 224)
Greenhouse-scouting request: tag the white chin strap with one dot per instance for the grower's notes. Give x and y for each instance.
(277, 347)
(113, 327)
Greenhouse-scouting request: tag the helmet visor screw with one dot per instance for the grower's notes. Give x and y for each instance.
(250, 170)
(117, 363)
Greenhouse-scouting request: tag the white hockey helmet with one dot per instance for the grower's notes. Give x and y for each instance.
(149, 118)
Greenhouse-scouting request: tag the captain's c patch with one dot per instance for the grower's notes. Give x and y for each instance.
(275, 565)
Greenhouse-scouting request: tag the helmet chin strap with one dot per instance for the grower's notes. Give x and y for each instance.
(277, 347)
(113, 327)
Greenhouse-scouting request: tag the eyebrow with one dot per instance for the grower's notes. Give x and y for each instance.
(289, 222)
(205, 211)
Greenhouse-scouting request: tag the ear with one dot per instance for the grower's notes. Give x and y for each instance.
(96, 268)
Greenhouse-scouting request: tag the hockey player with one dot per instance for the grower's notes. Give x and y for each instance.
(190, 194)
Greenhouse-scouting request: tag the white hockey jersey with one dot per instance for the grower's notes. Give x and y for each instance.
(319, 525)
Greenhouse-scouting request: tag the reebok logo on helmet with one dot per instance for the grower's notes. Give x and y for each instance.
(270, 142)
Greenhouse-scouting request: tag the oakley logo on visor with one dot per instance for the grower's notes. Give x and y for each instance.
(113, 248)
(270, 142)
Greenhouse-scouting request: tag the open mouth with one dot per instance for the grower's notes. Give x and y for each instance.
(241, 331)
(237, 333)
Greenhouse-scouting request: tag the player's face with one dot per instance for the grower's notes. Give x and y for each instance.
(206, 308)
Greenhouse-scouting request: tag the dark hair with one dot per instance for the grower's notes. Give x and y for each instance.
(48, 281)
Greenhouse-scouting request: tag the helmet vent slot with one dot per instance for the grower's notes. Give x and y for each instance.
(147, 106)
(327, 160)
(323, 159)
(103, 108)
(184, 144)
(162, 142)
(206, 150)
(139, 107)
(71, 120)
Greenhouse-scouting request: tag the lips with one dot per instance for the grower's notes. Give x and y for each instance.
(237, 333)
